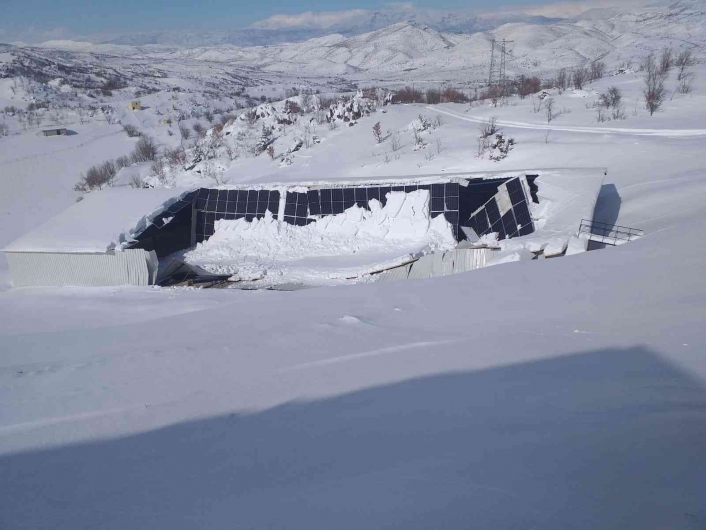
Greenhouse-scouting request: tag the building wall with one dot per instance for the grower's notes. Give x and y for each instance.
(55, 269)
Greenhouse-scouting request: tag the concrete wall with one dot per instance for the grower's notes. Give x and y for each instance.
(45, 269)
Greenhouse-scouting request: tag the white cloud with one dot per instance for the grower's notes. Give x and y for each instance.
(310, 19)
(572, 9)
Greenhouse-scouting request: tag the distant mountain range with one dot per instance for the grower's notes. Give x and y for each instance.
(349, 24)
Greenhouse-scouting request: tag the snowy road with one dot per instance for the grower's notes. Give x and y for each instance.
(666, 133)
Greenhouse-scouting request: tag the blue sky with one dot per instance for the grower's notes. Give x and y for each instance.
(91, 16)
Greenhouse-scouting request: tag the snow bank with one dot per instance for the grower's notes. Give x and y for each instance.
(331, 249)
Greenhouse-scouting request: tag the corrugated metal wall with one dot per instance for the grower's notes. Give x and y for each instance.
(53, 269)
(439, 264)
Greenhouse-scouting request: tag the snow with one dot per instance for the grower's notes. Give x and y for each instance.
(558, 393)
(332, 249)
(101, 221)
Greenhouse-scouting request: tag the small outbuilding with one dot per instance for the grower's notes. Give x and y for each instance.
(134, 105)
(60, 131)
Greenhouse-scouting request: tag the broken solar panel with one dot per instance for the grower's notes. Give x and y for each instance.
(506, 214)
(213, 205)
(301, 208)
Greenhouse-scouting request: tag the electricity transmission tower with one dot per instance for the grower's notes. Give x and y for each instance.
(498, 76)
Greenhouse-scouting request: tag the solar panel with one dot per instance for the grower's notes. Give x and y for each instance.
(506, 213)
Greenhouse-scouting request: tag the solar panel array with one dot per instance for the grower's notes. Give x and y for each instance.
(213, 205)
(301, 206)
(507, 213)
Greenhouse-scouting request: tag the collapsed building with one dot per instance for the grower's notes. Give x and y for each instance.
(309, 233)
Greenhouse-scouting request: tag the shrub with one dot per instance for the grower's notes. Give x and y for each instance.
(408, 95)
(377, 132)
(122, 161)
(597, 70)
(131, 130)
(433, 96)
(97, 177)
(451, 95)
(579, 78)
(654, 90)
(489, 127)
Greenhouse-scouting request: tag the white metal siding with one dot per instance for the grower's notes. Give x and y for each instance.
(45, 269)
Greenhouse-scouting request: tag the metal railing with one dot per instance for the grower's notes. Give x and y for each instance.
(607, 233)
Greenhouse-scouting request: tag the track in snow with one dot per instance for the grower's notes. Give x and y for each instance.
(669, 133)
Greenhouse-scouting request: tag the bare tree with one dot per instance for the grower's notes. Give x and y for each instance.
(97, 177)
(562, 80)
(549, 109)
(683, 61)
(131, 130)
(654, 90)
(184, 131)
(579, 78)
(145, 149)
(666, 61)
(489, 127)
(612, 98)
(597, 70)
(271, 151)
(377, 132)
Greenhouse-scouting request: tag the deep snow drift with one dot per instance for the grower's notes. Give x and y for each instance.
(330, 249)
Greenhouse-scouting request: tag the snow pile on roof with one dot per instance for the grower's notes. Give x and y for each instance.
(329, 250)
(102, 221)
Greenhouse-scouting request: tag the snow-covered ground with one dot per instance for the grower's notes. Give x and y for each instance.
(561, 393)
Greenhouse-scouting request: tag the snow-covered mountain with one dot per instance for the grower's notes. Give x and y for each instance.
(283, 29)
(401, 52)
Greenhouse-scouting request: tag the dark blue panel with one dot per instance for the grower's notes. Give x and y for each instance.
(451, 203)
(211, 205)
(221, 206)
(362, 204)
(302, 210)
(290, 209)
(313, 196)
(452, 217)
(289, 219)
(361, 194)
(274, 196)
(261, 207)
(437, 204)
(435, 214)
(437, 190)
(302, 198)
(337, 194)
(213, 195)
(522, 214)
(263, 196)
(451, 190)
(325, 195)
(326, 208)
(230, 207)
(300, 221)
(348, 203)
(273, 206)
(241, 207)
(203, 193)
(201, 204)
(210, 218)
(239, 215)
(409, 189)
(252, 207)
(232, 195)
(493, 213)
(337, 207)
(348, 194)
(374, 193)
(189, 197)
(397, 188)
(481, 222)
(384, 190)
(509, 224)
(249, 217)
